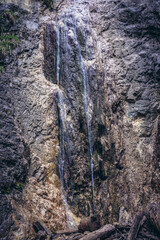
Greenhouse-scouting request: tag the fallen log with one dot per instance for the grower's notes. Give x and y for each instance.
(67, 231)
(40, 226)
(153, 211)
(76, 236)
(105, 231)
(148, 235)
(151, 214)
(114, 236)
(137, 223)
(122, 227)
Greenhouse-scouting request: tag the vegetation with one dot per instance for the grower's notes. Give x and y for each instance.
(19, 186)
(9, 14)
(1, 69)
(8, 190)
(48, 3)
(8, 41)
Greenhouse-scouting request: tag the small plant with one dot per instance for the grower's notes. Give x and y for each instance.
(8, 42)
(8, 190)
(19, 186)
(1, 69)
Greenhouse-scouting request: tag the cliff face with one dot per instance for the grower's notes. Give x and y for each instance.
(79, 113)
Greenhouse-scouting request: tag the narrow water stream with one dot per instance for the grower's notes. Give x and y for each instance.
(86, 107)
(62, 129)
(61, 114)
(73, 14)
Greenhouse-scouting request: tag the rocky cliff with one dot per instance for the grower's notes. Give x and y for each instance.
(80, 124)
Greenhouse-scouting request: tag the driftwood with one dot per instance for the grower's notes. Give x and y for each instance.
(150, 236)
(137, 223)
(40, 226)
(67, 231)
(105, 231)
(76, 236)
(122, 226)
(146, 225)
(114, 236)
(151, 214)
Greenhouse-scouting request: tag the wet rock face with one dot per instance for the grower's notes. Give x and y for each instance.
(120, 51)
(111, 48)
(130, 52)
(79, 73)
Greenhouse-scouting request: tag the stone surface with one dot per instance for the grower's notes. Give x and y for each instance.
(91, 223)
(118, 44)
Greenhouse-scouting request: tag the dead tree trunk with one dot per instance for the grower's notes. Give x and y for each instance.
(105, 231)
(151, 214)
(137, 223)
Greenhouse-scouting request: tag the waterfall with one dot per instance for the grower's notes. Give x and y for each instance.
(61, 114)
(88, 121)
(74, 14)
(62, 129)
(86, 109)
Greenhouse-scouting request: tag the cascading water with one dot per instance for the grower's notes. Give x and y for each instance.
(61, 113)
(68, 26)
(69, 217)
(88, 121)
(86, 109)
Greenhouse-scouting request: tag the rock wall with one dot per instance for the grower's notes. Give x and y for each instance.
(25, 4)
(130, 112)
(111, 48)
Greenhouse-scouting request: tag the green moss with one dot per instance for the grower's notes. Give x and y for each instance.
(9, 37)
(1, 69)
(8, 42)
(9, 15)
(13, 14)
(8, 190)
(19, 186)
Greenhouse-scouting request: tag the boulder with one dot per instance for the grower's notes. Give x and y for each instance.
(90, 223)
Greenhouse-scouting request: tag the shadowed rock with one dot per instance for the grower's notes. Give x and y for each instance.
(91, 223)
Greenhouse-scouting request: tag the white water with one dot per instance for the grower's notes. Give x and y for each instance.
(61, 114)
(74, 12)
(86, 108)
(69, 218)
